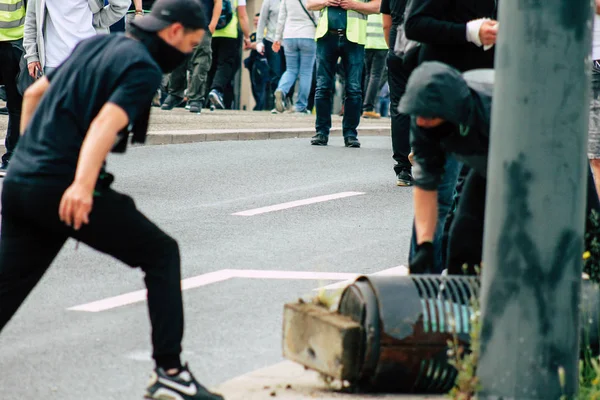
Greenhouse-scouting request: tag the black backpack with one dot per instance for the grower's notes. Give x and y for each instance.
(226, 14)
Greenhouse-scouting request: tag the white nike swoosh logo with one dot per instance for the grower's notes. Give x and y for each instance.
(190, 391)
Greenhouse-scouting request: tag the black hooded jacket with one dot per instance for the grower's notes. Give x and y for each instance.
(441, 27)
(436, 90)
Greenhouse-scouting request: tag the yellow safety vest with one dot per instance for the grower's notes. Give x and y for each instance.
(12, 19)
(356, 25)
(231, 30)
(375, 37)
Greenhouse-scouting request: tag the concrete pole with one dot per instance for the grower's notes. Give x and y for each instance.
(533, 242)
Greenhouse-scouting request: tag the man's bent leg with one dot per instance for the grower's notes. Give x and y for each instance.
(117, 228)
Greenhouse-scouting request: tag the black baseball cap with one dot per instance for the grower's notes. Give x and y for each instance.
(189, 13)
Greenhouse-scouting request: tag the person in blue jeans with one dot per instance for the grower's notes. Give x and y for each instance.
(297, 26)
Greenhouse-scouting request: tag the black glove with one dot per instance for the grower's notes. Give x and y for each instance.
(422, 261)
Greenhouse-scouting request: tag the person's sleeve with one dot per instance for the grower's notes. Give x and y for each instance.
(429, 159)
(425, 24)
(385, 7)
(241, 3)
(30, 35)
(281, 21)
(262, 21)
(136, 88)
(110, 14)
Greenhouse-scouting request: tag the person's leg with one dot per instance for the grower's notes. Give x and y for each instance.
(367, 72)
(313, 85)
(275, 64)
(307, 52)
(225, 69)
(176, 86)
(9, 69)
(327, 55)
(397, 79)
(288, 79)
(201, 64)
(26, 248)
(118, 229)
(373, 69)
(353, 58)
(465, 242)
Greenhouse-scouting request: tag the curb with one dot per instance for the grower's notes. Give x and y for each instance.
(211, 135)
(290, 381)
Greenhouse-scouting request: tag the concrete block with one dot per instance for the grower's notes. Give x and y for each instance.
(253, 135)
(213, 137)
(322, 340)
(189, 138)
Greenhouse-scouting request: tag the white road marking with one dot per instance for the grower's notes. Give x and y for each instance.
(208, 279)
(400, 270)
(297, 203)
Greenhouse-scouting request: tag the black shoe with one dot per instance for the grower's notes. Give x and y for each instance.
(404, 178)
(3, 111)
(319, 140)
(216, 98)
(171, 102)
(351, 142)
(3, 169)
(195, 106)
(181, 386)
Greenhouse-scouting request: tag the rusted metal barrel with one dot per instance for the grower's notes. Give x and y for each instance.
(407, 322)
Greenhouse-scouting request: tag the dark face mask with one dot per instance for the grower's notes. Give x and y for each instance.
(166, 56)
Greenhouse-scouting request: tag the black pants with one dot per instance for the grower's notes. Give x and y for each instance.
(226, 60)
(9, 69)
(374, 67)
(465, 244)
(399, 69)
(32, 235)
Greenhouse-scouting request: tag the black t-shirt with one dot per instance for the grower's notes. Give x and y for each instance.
(396, 9)
(102, 69)
(208, 9)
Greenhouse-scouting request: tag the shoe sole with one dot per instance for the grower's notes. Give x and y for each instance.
(195, 110)
(214, 99)
(400, 182)
(318, 144)
(353, 146)
(279, 101)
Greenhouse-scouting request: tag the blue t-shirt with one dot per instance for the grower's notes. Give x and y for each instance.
(336, 18)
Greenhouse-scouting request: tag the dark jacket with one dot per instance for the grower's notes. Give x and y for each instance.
(437, 90)
(441, 26)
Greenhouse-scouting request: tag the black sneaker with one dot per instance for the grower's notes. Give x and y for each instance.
(195, 106)
(404, 178)
(319, 140)
(171, 102)
(216, 98)
(351, 142)
(3, 111)
(182, 386)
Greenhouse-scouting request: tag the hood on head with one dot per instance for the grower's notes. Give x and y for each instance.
(436, 90)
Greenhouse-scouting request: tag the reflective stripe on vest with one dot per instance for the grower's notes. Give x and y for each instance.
(375, 37)
(356, 25)
(231, 30)
(12, 20)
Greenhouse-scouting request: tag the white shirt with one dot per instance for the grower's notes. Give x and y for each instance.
(68, 22)
(294, 23)
(596, 38)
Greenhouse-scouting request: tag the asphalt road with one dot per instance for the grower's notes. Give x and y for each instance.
(233, 326)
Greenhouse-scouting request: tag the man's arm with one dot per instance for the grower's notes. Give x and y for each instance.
(372, 7)
(244, 24)
(32, 97)
(76, 203)
(426, 210)
(215, 15)
(425, 23)
(113, 12)
(30, 41)
(137, 4)
(387, 27)
(262, 21)
(318, 5)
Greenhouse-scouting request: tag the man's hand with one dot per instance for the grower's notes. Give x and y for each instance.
(76, 205)
(488, 32)
(276, 46)
(347, 4)
(247, 43)
(260, 47)
(33, 68)
(212, 27)
(423, 260)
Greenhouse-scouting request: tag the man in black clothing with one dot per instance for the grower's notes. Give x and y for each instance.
(56, 186)
(451, 116)
(399, 66)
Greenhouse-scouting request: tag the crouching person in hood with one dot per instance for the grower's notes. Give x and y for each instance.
(450, 117)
